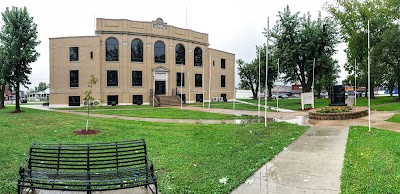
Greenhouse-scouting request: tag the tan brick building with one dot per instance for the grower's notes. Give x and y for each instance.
(131, 58)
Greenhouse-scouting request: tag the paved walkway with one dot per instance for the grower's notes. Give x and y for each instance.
(311, 164)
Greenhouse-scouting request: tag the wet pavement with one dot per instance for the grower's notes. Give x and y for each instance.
(311, 164)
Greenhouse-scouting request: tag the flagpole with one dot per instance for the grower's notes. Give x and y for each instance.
(266, 76)
(188, 86)
(277, 96)
(259, 80)
(202, 84)
(355, 82)
(182, 74)
(369, 85)
(209, 86)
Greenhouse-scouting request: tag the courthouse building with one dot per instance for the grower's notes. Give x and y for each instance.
(133, 59)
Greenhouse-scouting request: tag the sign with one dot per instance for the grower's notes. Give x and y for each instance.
(307, 98)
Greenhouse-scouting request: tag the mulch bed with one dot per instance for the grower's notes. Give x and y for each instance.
(87, 132)
(20, 111)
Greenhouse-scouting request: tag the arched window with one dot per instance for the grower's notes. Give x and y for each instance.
(198, 57)
(159, 52)
(111, 49)
(180, 54)
(137, 50)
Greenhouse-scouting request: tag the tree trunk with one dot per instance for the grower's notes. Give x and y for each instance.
(2, 88)
(17, 107)
(270, 92)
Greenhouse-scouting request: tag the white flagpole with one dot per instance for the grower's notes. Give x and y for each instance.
(355, 82)
(154, 87)
(266, 76)
(277, 96)
(188, 85)
(313, 77)
(209, 85)
(259, 80)
(369, 85)
(202, 84)
(182, 74)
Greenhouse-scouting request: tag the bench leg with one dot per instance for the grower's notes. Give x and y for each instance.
(155, 184)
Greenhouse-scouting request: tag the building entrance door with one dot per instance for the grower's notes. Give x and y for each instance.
(160, 87)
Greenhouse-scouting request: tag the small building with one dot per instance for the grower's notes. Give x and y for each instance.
(134, 59)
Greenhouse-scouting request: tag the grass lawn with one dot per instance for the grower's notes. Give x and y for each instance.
(395, 118)
(379, 100)
(229, 105)
(188, 158)
(170, 113)
(372, 162)
(293, 103)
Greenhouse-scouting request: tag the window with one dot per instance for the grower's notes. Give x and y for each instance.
(74, 101)
(224, 97)
(137, 50)
(180, 54)
(222, 81)
(73, 53)
(111, 49)
(199, 97)
(74, 78)
(136, 78)
(138, 99)
(112, 78)
(198, 80)
(91, 55)
(180, 76)
(222, 63)
(112, 100)
(159, 52)
(198, 57)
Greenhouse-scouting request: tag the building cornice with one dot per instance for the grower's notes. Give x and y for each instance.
(151, 35)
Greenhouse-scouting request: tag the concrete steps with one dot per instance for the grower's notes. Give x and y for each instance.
(169, 101)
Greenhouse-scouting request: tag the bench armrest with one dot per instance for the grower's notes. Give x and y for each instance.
(21, 170)
(152, 168)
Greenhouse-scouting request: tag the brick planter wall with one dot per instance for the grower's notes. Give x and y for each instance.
(353, 114)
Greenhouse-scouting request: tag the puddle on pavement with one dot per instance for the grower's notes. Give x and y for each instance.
(324, 133)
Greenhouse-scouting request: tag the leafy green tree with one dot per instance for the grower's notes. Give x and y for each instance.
(388, 52)
(41, 87)
(89, 96)
(248, 77)
(3, 76)
(248, 72)
(353, 17)
(298, 41)
(18, 36)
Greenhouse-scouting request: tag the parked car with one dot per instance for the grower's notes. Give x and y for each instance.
(283, 96)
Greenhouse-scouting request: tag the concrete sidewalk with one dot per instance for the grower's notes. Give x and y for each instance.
(311, 164)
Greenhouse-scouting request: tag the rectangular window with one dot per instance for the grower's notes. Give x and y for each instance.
(180, 76)
(222, 63)
(136, 78)
(112, 78)
(222, 81)
(73, 53)
(74, 101)
(199, 97)
(112, 100)
(91, 55)
(198, 80)
(138, 99)
(74, 78)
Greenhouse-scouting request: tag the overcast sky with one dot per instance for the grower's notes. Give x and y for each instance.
(232, 26)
